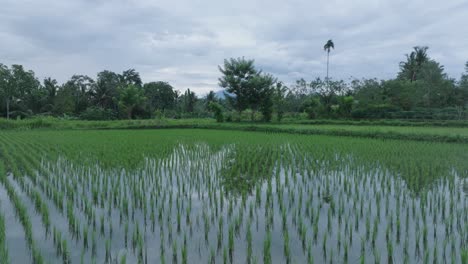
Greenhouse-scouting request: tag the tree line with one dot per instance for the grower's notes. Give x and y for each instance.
(421, 90)
(110, 96)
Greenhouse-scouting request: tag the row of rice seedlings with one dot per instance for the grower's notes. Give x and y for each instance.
(4, 259)
(101, 221)
(39, 205)
(26, 161)
(179, 213)
(21, 212)
(375, 229)
(72, 220)
(42, 208)
(367, 225)
(361, 207)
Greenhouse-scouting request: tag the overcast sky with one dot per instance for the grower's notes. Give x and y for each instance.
(183, 42)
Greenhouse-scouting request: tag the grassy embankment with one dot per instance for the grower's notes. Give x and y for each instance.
(438, 131)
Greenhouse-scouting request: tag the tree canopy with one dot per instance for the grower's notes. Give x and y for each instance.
(247, 87)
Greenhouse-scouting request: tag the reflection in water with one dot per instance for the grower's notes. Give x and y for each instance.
(252, 204)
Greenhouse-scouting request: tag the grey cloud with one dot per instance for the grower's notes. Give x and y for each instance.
(183, 42)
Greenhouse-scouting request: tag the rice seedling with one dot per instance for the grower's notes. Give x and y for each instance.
(231, 243)
(464, 256)
(85, 237)
(435, 257)
(108, 256)
(406, 250)
(213, 257)
(64, 251)
(376, 257)
(287, 250)
(82, 256)
(426, 257)
(249, 244)
(324, 246)
(123, 259)
(162, 248)
(424, 238)
(184, 251)
(3, 245)
(389, 252)
(267, 249)
(93, 244)
(174, 252)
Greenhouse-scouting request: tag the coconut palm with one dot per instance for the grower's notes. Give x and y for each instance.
(327, 47)
(414, 61)
(420, 58)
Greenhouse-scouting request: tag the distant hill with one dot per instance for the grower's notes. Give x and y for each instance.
(220, 94)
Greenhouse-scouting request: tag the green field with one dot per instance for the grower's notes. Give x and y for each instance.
(415, 130)
(405, 130)
(220, 196)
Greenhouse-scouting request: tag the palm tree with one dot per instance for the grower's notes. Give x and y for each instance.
(420, 57)
(329, 45)
(410, 68)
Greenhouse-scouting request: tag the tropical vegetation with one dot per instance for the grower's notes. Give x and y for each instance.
(421, 90)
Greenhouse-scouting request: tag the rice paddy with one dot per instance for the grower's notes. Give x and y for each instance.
(205, 196)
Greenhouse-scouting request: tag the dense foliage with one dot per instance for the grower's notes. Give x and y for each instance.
(421, 90)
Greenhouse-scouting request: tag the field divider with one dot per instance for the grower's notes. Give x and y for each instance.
(308, 131)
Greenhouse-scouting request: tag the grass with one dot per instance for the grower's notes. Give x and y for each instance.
(383, 122)
(441, 131)
(421, 130)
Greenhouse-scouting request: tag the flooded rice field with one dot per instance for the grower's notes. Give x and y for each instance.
(230, 197)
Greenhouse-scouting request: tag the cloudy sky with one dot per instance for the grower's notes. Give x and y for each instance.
(183, 42)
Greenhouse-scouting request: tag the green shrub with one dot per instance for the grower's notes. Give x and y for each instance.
(97, 113)
(311, 107)
(374, 111)
(217, 110)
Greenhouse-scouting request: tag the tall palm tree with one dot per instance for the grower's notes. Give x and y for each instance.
(420, 58)
(327, 47)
